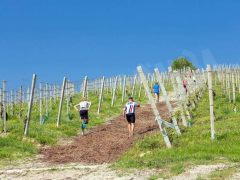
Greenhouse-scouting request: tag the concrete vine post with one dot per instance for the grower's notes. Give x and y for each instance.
(41, 102)
(210, 90)
(101, 95)
(114, 91)
(68, 96)
(46, 97)
(169, 106)
(134, 85)
(159, 120)
(30, 103)
(233, 88)
(180, 95)
(12, 102)
(61, 101)
(140, 90)
(21, 97)
(4, 106)
(124, 89)
(85, 83)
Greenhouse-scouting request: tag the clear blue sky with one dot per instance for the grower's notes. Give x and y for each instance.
(54, 38)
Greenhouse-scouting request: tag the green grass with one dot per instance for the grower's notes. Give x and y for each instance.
(194, 146)
(14, 146)
(223, 174)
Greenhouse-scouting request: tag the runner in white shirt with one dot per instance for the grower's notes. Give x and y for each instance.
(83, 108)
(129, 113)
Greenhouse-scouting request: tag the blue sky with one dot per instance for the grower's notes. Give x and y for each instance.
(53, 38)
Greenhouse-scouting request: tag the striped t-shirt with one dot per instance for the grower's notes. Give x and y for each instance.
(130, 107)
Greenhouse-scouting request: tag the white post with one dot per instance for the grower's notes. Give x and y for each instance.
(61, 102)
(101, 95)
(41, 102)
(124, 89)
(30, 105)
(210, 90)
(154, 107)
(114, 91)
(134, 85)
(85, 87)
(4, 106)
(170, 109)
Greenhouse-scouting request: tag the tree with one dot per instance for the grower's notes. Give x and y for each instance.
(181, 63)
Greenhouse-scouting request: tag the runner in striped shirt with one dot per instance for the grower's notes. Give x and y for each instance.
(129, 113)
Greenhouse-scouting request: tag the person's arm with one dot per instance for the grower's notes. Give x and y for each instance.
(75, 107)
(89, 105)
(137, 105)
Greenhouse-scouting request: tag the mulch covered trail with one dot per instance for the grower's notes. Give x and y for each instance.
(105, 143)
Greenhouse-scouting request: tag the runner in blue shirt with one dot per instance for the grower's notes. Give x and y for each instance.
(156, 90)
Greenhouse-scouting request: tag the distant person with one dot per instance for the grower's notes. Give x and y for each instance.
(83, 108)
(156, 90)
(185, 84)
(129, 114)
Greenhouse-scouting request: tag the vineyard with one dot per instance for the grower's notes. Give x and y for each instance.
(190, 126)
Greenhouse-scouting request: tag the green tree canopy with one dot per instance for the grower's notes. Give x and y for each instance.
(181, 63)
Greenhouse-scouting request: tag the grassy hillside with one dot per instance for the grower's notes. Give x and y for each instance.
(14, 146)
(194, 146)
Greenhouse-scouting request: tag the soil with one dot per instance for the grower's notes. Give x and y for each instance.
(105, 143)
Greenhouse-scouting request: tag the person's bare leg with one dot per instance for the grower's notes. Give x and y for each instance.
(82, 131)
(132, 128)
(129, 129)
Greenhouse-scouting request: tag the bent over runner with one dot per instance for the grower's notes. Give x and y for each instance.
(83, 108)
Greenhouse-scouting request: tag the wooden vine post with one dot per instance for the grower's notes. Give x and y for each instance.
(61, 101)
(30, 103)
(159, 120)
(210, 90)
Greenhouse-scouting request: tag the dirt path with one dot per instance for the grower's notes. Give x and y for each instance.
(71, 171)
(89, 156)
(202, 171)
(105, 143)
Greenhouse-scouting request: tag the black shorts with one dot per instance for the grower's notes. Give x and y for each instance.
(84, 114)
(130, 118)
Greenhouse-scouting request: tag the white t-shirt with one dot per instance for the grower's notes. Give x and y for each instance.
(84, 105)
(130, 107)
